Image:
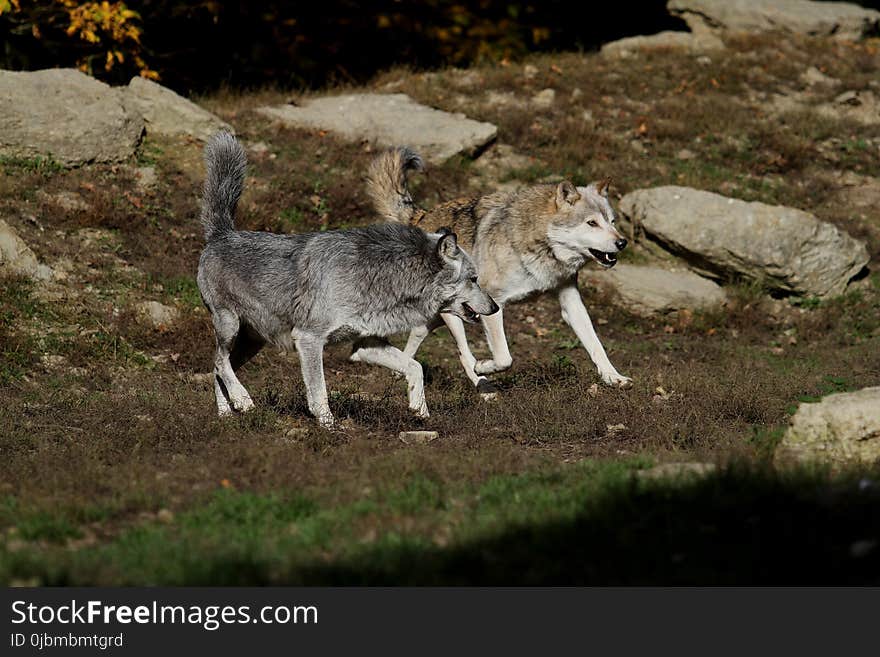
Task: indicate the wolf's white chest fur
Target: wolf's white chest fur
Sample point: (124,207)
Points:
(525,279)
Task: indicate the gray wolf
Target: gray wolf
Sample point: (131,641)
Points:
(307,290)
(525,242)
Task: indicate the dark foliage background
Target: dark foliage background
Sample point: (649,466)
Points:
(195,46)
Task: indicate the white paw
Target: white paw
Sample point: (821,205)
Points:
(421,412)
(224,411)
(242,403)
(489,396)
(490,367)
(616,380)
(327,421)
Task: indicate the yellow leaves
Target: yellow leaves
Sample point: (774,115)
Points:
(107,23)
(8,5)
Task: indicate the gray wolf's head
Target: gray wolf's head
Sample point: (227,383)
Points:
(461,293)
(583,224)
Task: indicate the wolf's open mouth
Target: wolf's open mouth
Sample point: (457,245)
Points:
(604,258)
(470,314)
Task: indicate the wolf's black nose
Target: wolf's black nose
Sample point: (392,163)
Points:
(620,244)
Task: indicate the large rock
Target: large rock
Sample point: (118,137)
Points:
(168,113)
(668,40)
(647,290)
(17,258)
(839,19)
(841,428)
(783,248)
(389,120)
(67,115)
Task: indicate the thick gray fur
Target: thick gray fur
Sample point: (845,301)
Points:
(306,290)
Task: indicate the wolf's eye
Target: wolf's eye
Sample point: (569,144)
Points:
(592,223)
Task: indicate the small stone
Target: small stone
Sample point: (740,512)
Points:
(18,258)
(156,314)
(530,71)
(417,437)
(165,515)
(685,154)
(69,201)
(544,98)
(147,178)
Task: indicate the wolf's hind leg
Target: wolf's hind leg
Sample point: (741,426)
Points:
(228,389)
(376,351)
(311,361)
(501,358)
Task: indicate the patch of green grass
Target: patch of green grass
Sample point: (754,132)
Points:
(18,347)
(45,166)
(807,303)
(149,154)
(184,289)
(293,217)
(591,522)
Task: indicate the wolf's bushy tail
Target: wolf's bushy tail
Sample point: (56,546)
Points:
(226,163)
(387,184)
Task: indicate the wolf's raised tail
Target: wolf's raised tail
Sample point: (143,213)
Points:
(226,163)
(387,184)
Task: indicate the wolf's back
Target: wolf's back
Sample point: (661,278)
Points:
(387,184)
(226,164)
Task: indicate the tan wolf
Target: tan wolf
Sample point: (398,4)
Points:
(524,242)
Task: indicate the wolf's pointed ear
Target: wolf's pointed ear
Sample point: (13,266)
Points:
(566,194)
(603,185)
(447,245)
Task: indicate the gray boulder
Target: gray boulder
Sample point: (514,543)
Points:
(839,19)
(168,113)
(17,258)
(783,248)
(841,428)
(646,290)
(389,120)
(66,115)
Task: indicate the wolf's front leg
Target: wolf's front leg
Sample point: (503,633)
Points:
(501,358)
(576,316)
(311,360)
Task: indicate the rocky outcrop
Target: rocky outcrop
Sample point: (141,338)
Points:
(65,115)
(389,120)
(168,113)
(838,19)
(647,290)
(783,248)
(842,428)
